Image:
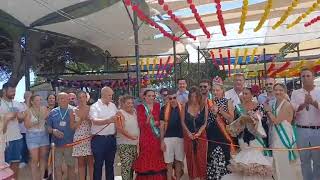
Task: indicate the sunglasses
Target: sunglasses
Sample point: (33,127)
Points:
(306,76)
(170,98)
(203,86)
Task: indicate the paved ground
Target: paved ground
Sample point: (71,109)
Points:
(25,173)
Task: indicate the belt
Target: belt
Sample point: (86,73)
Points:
(110,135)
(308,127)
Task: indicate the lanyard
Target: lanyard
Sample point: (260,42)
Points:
(65,113)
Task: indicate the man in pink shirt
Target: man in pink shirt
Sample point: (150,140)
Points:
(305,102)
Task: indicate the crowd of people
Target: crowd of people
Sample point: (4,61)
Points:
(219,134)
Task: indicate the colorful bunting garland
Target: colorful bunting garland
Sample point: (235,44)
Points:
(173,17)
(314,20)
(285,14)
(265,15)
(304,15)
(243,16)
(220,17)
(144,18)
(198,18)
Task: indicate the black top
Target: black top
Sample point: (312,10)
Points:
(194,123)
(213,130)
(174,128)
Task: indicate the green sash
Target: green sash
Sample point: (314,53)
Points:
(241,111)
(289,144)
(155,129)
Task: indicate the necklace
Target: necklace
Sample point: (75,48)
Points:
(36,114)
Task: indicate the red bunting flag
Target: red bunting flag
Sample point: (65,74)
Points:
(221,59)
(282,68)
(229,61)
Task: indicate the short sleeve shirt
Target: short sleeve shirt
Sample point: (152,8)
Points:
(60,119)
(13,130)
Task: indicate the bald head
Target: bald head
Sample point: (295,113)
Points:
(63,99)
(106,94)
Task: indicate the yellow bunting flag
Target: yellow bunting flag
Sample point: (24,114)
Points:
(253,55)
(285,14)
(265,15)
(148,65)
(244,13)
(142,64)
(154,67)
(236,58)
(312,8)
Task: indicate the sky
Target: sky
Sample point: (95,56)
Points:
(20,87)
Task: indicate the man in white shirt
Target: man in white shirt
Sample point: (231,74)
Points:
(234,93)
(268,96)
(12,112)
(183,93)
(305,102)
(103,143)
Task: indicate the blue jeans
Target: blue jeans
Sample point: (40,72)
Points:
(306,138)
(104,150)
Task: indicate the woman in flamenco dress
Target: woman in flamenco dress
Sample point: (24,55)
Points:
(150,163)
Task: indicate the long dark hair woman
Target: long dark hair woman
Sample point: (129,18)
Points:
(195,140)
(150,163)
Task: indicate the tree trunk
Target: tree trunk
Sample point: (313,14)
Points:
(17,64)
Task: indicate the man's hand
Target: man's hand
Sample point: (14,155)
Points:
(163,146)
(57,133)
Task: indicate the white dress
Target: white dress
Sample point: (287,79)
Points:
(283,168)
(82,132)
(249,163)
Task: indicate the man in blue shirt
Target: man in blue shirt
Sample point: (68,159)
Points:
(183,93)
(268,96)
(62,134)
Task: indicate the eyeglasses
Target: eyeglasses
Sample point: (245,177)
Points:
(203,86)
(170,98)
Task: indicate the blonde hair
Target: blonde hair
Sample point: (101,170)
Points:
(123,99)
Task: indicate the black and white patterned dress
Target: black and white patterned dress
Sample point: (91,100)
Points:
(218,154)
